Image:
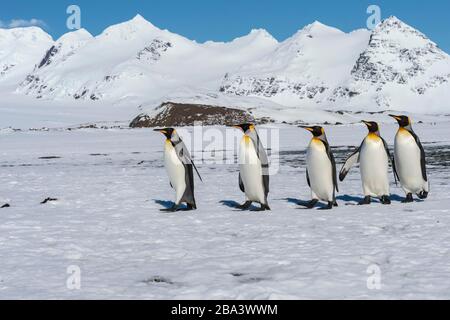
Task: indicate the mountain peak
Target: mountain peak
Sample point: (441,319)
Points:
(261,33)
(139,19)
(396,31)
(317,24)
(392,22)
(138,23)
(77,35)
(318,28)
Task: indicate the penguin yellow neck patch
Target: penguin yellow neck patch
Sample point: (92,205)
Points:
(317,143)
(373,136)
(403,131)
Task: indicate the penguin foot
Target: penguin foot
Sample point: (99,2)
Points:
(263,207)
(260,209)
(335,204)
(191,207)
(330,205)
(245,206)
(423,195)
(312,203)
(367,200)
(409,198)
(385,200)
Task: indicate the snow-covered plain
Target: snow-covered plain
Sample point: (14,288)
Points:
(111,185)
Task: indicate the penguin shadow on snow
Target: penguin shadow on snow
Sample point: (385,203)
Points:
(168,205)
(397,198)
(235,205)
(349,200)
(304,204)
(353,200)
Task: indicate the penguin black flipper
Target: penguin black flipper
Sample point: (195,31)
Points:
(260,151)
(423,162)
(349,163)
(189,166)
(333,164)
(266,183)
(188,196)
(307,178)
(196,170)
(262,156)
(241,184)
(391,159)
(184,155)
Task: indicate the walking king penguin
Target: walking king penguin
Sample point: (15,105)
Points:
(254,168)
(179,166)
(373,156)
(410,162)
(321,169)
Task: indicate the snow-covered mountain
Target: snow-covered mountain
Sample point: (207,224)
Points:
(400,69)
(136,60)
(135,63)
(304,68)
(392,67)
(20,48)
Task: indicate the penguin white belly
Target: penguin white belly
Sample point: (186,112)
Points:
(251,171)
(408,162)
(320,171)
(175,170)
(374,168)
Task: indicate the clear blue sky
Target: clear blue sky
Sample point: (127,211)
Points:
(223,20)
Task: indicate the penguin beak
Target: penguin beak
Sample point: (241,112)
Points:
(395,117)
(237,127)
(160,130)
(308,128)
(367,123)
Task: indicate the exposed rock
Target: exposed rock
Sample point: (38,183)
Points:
(49,200)
(269,87)
(154,51)
(171,114)
(48,56)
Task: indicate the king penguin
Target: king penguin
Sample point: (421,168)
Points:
(321,169)
(373,156)
(410,160)
(254,168)
(179,166)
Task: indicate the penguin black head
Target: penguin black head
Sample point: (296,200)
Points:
(245,127)
(316,131)
(403,121)
(166,131)
(372,126)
